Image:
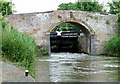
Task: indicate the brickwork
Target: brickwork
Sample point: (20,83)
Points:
(39,25)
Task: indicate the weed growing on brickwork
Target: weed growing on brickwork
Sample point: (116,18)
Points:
(96,17)
(59,16)
(72,16)
(86,19)
(80,19)
(89,16)
(107,22)
(23,18)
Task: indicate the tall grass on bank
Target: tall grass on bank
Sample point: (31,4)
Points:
(0,37)
(18,47)
(112,47)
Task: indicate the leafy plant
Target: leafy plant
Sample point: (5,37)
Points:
(6,7)
(86,19)
(59,16)
(80,19)
(41,51)
(114,7)
(71,15)
(96,17)
(112,47)
(89,16)
(107,22)
(92,5)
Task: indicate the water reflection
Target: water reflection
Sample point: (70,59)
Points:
(73,67)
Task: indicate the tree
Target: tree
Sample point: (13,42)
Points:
(5,7)
(92,6)
(114,7)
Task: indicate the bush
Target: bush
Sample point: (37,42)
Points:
(41,51)
(18,47)
(112,47)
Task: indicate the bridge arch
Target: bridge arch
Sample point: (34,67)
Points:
(85,26)
(85,42)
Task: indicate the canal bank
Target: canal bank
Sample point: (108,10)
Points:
(12,73)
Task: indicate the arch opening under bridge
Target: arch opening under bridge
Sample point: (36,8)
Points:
(71,41)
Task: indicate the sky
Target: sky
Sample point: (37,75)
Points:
(29,6)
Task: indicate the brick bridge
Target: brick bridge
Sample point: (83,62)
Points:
(97,28)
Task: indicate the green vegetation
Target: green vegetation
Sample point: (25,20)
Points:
(92,6)
(41,51)
(6,6)
(89,16)
(107,22)
(66,27)
(86,19)
(17,47)
(23,18)
(112,47)
(0,36)
(19,20)
(114,7)
(96,17)
(71,15)
(80,19)
(59,16)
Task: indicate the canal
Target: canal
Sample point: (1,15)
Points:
(75,67)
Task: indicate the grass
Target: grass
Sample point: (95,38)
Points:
(112,47)
(18,48)
(41,51)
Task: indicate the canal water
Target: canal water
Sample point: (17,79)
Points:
(75,67)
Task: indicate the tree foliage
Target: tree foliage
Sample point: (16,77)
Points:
(112,47)
(5,7)
(114,7)
(83,6)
